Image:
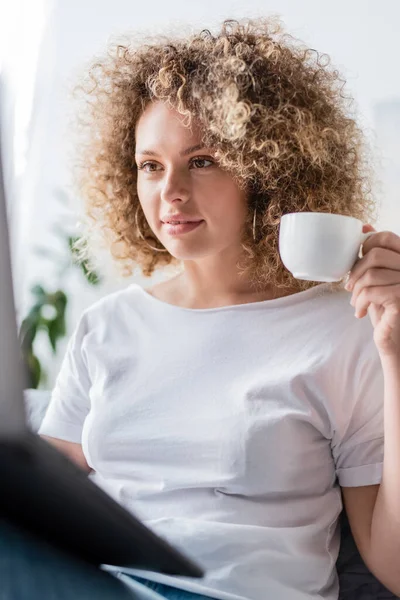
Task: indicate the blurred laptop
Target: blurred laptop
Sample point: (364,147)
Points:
(45,493)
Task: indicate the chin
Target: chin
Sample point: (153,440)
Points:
(179,252)
(188,255)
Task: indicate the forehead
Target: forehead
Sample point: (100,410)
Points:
(161,125)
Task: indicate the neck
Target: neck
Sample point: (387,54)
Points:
(213,282)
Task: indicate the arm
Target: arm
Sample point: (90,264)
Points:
(374,511)
(71,450)
(69,405)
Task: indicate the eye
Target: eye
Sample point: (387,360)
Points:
(200,162)
(142,166)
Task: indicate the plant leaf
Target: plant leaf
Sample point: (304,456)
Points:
(34,369)
(38,291)
(56,330)
(29,327)
(91,276)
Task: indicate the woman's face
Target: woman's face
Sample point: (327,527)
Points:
(178,180)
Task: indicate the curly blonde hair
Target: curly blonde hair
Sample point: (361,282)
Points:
(274,111)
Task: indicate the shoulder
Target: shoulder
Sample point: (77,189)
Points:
(111,311)
(333,313)
(108,320)
(353,374)
(345,345)
(117,301)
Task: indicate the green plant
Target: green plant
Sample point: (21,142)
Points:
(48,310)
(37,320)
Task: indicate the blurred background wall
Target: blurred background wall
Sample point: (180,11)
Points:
(44,42)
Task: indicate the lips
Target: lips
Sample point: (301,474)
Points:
(180,218)
(175,228)
(180,222)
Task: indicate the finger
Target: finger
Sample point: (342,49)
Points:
(372,278)
(375,258)
(382,239)
(379,295)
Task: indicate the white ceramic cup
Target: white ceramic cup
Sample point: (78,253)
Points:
(320,246)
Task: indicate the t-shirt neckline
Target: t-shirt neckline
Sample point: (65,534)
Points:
(272,303)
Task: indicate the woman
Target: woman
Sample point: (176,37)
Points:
(231,407)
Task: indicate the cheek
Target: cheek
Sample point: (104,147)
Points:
(232,207)
(227,217)
(142,191)
(147,199)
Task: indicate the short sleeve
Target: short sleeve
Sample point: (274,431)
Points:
(357,441)
(69,404)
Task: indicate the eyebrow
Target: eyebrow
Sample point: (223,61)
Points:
(183,153)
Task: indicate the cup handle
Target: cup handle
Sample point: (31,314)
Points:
(364,237)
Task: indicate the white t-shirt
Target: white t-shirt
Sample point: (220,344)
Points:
(229,430)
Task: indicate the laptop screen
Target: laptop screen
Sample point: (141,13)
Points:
(12,414)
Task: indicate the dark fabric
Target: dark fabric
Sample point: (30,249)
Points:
(356,582)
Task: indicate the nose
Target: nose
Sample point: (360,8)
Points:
(175,187)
